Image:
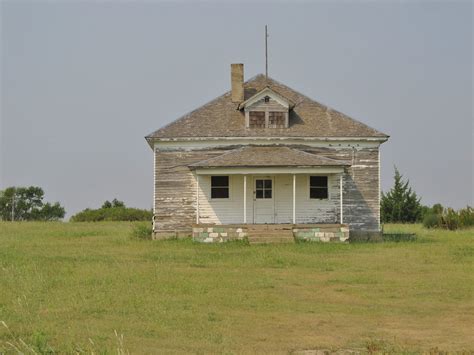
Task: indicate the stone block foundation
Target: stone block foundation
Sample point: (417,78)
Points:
(321,233)
(212,233)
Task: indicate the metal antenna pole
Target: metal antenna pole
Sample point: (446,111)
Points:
(266,52)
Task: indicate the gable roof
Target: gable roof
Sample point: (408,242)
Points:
(222,118)
(267,91)
(267,156)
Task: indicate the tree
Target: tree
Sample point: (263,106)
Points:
(437,209)
(400,204)
(106,204)
(117,203)
(51,212)
(26,204)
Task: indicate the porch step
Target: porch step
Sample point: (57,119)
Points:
(262,236)
(270,227)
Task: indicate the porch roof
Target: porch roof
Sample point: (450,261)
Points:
(268,157)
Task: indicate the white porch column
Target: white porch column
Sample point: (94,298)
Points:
(154,189)
(245,198)
(294,198)
(340,196)
(197,199)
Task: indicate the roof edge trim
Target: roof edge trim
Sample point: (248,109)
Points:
(271,138)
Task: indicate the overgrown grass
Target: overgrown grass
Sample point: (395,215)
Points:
(89,287)
(142,231)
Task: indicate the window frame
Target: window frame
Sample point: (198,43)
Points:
(276,113)
(286,118)
(264,189)
(228,188)
(264,119)
(327,187)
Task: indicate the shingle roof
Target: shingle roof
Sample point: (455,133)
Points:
(308,118)
(267,156)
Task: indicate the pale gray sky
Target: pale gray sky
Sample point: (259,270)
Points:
(82,83)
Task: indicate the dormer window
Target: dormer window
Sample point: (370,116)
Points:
(257,119)
(277,119)
(266,109)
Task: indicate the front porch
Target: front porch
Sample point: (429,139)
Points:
(269,194)
(269,185)
(270,233)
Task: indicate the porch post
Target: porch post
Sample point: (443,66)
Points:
(245,198)
(340,195)
(294,198)
(197,199)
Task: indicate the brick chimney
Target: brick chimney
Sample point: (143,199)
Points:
(237,80)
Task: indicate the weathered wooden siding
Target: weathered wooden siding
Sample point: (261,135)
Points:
(175,192)
(361,207)
(224,211)
(307,210)
(175,188)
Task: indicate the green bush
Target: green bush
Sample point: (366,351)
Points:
(466,217)
(431,220)
(112,214)
(142,231)
(448,218)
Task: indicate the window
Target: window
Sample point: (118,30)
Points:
(219,187)
(276,119)
(263,188)
(257,119)
(318,187)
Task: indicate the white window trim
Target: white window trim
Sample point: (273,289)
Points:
(217,199)
(272,178)
(267,118)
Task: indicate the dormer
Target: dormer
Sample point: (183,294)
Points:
(266,109)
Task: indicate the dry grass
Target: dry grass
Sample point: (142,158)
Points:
(91,288)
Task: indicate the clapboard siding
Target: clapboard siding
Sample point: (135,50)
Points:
(361,208)
(224,211)
(175,192)
(175,188)
(307,210)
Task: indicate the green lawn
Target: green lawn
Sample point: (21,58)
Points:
(75,287)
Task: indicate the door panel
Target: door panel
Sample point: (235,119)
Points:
(264,204)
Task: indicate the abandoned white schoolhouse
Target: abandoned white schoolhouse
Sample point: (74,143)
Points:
(267,163)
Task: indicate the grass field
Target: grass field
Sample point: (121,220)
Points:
(79,287)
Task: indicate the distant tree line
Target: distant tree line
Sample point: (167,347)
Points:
(402,205)
(114,210)
(26,204)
